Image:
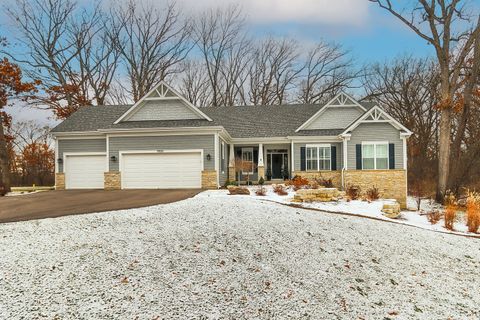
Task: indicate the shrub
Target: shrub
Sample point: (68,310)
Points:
(230,183)
(449,216)
(261,181)
(473,212)
(261,191)
(313,184)
(280,190)
(434,216)
(373,194)
(353,192)
(327,183)
(298,182)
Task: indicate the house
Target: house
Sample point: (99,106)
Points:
(163,141)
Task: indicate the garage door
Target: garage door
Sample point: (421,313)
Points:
(161,170)
(84,172)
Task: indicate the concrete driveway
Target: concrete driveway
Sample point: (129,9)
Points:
(60,203)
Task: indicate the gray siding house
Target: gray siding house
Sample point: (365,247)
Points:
(163,141)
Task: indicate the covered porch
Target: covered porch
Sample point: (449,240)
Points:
(250,162)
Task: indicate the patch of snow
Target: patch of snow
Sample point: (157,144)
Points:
(373,210)
(216,256)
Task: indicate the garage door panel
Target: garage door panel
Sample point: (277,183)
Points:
(161,171)
(84,172)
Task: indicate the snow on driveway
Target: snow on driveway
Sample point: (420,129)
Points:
(227,257)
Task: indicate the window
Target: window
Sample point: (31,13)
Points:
(374,155)
(222,151)
(318,157)
(247,160)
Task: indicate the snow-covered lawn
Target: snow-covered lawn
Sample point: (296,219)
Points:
(372,209)
(216,256)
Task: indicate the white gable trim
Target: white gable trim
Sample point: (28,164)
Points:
(162,85)
(342,98)
(379,116)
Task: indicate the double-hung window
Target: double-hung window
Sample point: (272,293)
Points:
(318,157)
(374,155)
(247,160)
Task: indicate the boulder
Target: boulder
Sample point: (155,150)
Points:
(391,209)
(238,190)
(321,194)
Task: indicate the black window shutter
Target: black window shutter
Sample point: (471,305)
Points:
(303,159)
(391,155)
(334,157)
(359,156)
(255,156)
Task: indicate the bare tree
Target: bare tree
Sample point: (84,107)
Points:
(436,21)
(152,44)
(221,39)
(328,70)
(44,26)
(69,51)
(98,55)
(194,84)
(408,89)
(273,71)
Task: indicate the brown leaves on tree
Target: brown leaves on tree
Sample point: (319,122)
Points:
(11,84)
(65,100)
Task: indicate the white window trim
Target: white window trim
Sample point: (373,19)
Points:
(375,143)
(318,146)
(249,149)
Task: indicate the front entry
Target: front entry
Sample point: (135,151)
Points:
(277,164)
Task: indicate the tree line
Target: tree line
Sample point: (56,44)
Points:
(80,56)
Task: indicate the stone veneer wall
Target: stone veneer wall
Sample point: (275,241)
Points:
(390,183)
(231,174)
(261,172)
(59,181)
(335,175)
(112,180)
(209,179)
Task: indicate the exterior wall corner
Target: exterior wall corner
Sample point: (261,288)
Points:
(59,181)
(209,179)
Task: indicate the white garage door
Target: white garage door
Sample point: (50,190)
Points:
(84,172)
(161,170)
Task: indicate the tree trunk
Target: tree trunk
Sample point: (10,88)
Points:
(4,164)
(444,153)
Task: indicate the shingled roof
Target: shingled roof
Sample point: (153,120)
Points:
(239,121)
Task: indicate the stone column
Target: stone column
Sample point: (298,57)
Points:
(261,166)
(112,180)
(231,163)
(59,181)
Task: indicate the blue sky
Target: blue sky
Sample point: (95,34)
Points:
(369,33)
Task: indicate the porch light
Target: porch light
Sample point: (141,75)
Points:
(209,157)
(113,158)
(60,160)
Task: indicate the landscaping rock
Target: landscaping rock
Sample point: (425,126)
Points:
(235,190)
(321,194)
(391,209)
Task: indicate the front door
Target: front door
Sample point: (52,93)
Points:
(277,163)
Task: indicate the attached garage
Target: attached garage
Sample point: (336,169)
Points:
(161,170)
(84,171)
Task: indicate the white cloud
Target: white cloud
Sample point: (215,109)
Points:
(326,12)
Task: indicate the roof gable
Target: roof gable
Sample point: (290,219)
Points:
(162,103)
(376,115)
(338,113)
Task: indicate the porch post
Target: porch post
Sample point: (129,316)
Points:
(231,163)
(261,166)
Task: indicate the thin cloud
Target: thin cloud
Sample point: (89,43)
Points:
(325,12)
